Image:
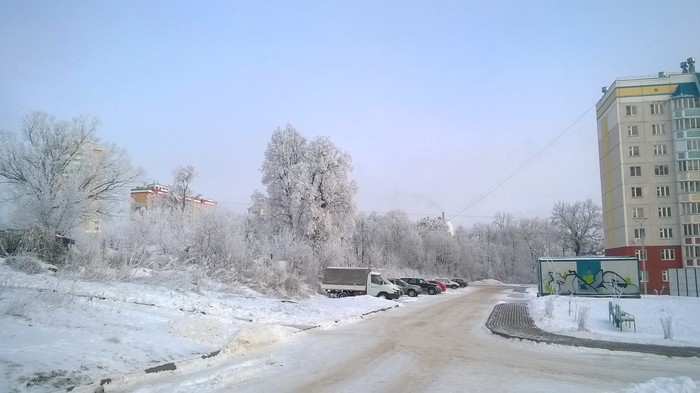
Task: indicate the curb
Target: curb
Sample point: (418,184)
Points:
(98,387)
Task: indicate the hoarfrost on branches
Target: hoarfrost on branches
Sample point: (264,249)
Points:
(580,226)
(308,190)
(59,175)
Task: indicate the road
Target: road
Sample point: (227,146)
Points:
(439,344)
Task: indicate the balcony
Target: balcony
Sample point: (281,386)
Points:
(692,112)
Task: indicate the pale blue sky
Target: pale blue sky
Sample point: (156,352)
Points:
(436,101)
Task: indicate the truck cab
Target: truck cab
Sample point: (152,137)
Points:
(378,285)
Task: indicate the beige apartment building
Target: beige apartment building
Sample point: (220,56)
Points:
(143,195)
(649,152)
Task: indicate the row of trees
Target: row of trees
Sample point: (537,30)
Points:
(58,174)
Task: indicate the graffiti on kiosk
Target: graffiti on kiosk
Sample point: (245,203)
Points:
(600,283)
(589,276)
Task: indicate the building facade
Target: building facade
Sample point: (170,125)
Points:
(649,152)
(143,195)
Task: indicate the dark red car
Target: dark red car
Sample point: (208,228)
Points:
(438,283)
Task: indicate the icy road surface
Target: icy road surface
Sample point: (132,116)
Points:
(436,345)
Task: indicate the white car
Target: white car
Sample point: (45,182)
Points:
(448,283)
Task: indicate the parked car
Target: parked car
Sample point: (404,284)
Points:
(462,282)
(431,289)
(438,283)
(408,289)
(448,283)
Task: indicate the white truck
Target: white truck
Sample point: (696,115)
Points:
(353,281)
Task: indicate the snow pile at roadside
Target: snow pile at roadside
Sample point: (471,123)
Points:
(666,385)
(487,281)
(249,339)
(60,332)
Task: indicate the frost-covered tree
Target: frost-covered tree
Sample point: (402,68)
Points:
(509,240)
(183,176)
(400,238)
(59,174)
(438,245)
(466,254)
(284,177)
(330,198)
(308,189)
(538,236)
(488,263)
(580,226)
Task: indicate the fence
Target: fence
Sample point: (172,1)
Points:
(684,282)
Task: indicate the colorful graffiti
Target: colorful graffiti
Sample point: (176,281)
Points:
(599,283)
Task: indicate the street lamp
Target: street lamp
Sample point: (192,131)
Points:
(643,255)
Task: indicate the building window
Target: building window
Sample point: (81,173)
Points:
(664,212)
(635,171)
(632,131)
(663,191)
(692,251)
(638,212)
(664,275)
(641,254)
(631,110)
(665,233)
(668,254)
(687,123)
(686,103)
(657,109)
(691,229)
(636,192)
(690,208)
(658,129)
(661,170)
(689,166)
(638,233)
(634,151)
(688,187)
(692,144)
(659,150)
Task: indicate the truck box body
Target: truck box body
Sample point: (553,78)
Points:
(345,278)
(589,276)
(351,281)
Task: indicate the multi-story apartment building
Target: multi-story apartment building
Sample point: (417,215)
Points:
(142,196)
(649,152)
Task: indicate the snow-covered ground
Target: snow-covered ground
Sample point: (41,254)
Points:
(58,333)
(682,312)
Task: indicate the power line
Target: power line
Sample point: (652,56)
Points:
(522,166)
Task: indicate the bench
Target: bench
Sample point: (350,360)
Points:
(619,317)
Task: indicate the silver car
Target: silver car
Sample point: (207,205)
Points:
(406,288)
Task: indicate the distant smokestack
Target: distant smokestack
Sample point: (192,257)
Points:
(691,64)
(443,216)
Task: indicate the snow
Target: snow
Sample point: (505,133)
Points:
(60,332)
(648,312)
